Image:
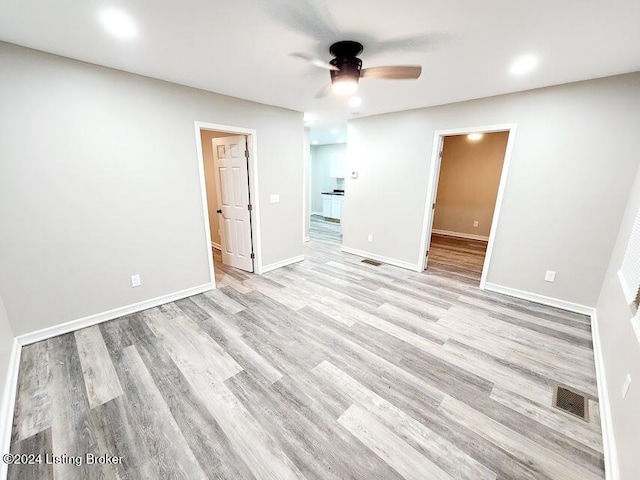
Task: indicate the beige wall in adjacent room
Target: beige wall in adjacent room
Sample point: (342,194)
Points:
(210,180)
(99,180)
(468,185)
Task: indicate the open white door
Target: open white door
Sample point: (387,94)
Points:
(232,182)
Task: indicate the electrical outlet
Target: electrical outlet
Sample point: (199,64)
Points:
(274,198)
(476,223)
(626,385)
(136,281)
(370,238)
(550,276)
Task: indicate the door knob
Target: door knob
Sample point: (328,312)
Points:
(219,211)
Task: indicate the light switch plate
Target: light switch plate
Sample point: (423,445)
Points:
(275,198)
(550,276)
(136,281)
(476,223)
(370,238)
(354,174)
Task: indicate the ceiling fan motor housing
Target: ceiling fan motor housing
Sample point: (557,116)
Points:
(346,60)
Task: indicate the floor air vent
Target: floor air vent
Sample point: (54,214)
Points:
(571,402)
(371,262)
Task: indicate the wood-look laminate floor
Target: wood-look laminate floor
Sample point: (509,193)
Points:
(326,369)
(458,256)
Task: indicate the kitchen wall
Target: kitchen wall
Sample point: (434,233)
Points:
(210,180)
(320,180)
(573,163)
(621,348)
(99,180)
(469,178)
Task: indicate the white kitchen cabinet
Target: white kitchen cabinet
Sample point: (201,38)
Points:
(326,206)
(336,206)
(332,206)
(337,165)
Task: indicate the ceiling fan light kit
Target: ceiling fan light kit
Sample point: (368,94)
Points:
(346,69)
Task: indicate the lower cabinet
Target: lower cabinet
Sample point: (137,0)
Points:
(332,206)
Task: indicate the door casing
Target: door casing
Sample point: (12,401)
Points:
(252,139)
(434,173)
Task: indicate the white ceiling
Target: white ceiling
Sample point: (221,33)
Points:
(242,47)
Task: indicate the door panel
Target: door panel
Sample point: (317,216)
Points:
(233,197)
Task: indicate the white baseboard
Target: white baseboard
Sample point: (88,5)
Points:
(8,403)
(282,263)
(544,300)
(217,246)
(611,468)
(49,332)
(469,236)
(380,258)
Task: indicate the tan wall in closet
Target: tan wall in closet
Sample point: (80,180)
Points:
(468,186)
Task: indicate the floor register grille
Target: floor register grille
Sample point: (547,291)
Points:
(570,402)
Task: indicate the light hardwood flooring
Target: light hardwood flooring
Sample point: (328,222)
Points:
(457,256)
(326,369)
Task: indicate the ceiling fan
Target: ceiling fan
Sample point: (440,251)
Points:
(346,69)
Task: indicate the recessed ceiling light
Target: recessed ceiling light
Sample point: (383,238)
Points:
(474,136)
(334,131)
(355,102)
(309,117)
(118,23)
(524,64)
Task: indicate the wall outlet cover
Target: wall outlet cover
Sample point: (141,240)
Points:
(550,276)
(476,223)
(275,198)
(370,238)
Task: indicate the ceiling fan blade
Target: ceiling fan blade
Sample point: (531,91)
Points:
(423,42)
(314,61)
(398,72)
(310,18)
(324,92)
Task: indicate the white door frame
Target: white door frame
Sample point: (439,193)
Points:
(438,143)
(253,189)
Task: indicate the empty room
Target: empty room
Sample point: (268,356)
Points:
(313,239)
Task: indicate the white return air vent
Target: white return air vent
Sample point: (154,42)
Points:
(629,273)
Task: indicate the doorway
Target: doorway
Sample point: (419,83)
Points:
(466,183)
(228,173)
(327,191)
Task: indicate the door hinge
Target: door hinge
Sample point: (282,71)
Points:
(433,207)
(253,255)
(427,253)
(250,207)
(246,154)
(441,153)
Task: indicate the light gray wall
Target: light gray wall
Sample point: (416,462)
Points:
(320,180)
(99,180)
(621,349)
(575,155)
